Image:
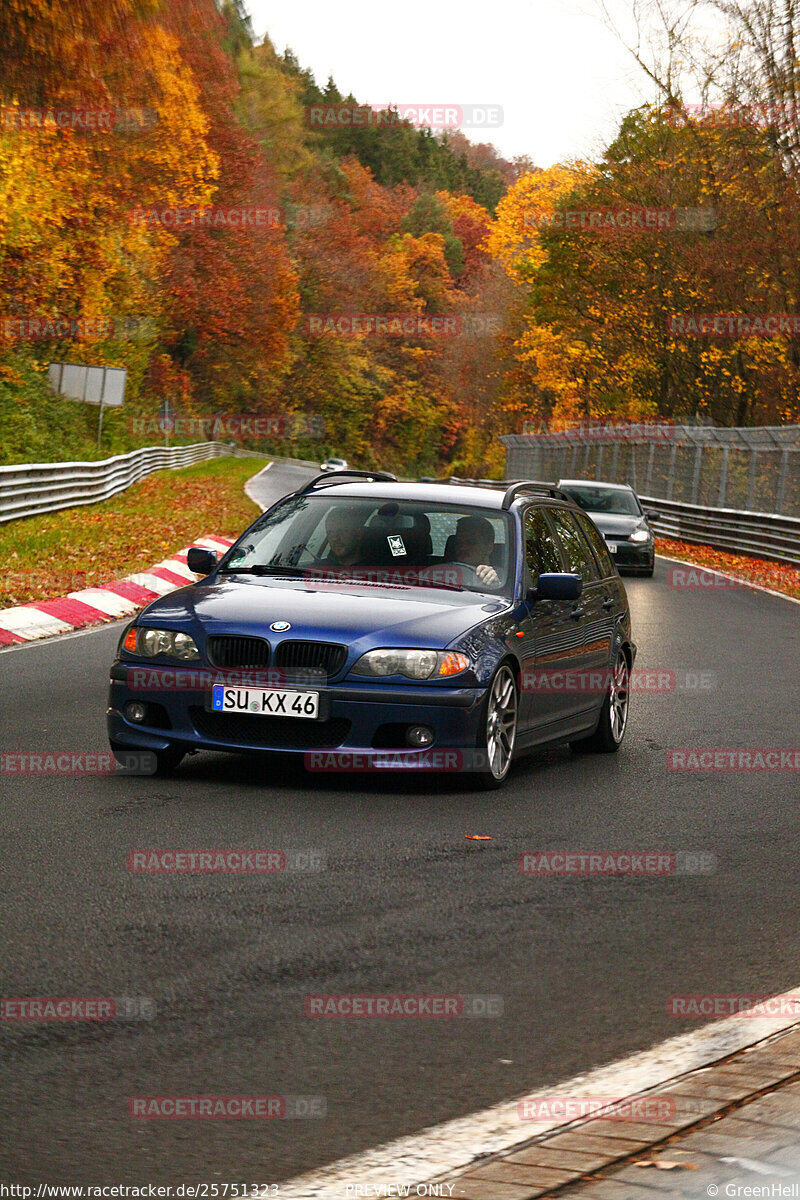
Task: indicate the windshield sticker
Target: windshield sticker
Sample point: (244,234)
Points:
(396,545)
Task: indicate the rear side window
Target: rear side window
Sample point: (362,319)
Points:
(595,539)
(541,551)
(579,557)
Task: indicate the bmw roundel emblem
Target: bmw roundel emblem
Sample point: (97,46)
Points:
(280,626)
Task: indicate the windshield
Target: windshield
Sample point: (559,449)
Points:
(605,500)
(395,542)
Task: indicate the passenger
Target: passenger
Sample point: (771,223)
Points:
(474,543)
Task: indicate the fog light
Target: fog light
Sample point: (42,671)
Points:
(136,711)
(419,735)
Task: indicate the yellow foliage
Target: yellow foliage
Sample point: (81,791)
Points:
(513,237)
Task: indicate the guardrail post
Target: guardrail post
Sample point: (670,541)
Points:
(632,467)
(698,465)
(784,471)
(614,463)
(751,482)
(723,477)
(598,470)
(672,463)
(650,460)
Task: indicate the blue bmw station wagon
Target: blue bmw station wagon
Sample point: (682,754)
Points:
(387,623)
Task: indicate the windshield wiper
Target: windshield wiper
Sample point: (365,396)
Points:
(263,569)
(437,583)
(340,576)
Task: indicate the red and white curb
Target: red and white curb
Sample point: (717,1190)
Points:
(119,598)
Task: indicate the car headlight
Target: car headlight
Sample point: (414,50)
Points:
(414,664)
(151,642)
(640,535)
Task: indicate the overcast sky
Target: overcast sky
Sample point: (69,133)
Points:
(560,76)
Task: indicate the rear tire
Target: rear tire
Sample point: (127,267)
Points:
(607,737)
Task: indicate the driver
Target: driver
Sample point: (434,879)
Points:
(344,531)
(474,545)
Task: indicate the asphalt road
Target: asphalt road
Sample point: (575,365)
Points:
(405,904)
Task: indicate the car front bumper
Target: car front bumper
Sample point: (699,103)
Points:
(633,555)
(352,719)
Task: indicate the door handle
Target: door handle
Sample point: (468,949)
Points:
(609,603)
(576,613)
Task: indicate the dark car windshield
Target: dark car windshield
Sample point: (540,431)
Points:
(621,503)
(396,542)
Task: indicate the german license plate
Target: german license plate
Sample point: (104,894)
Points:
(612,547)
(264,703)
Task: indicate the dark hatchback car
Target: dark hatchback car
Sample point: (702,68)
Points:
(365,621)
(618,514)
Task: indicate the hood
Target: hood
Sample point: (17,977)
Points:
(614,523)
(361,616)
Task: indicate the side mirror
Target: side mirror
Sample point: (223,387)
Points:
(557,586)
(651,514)
(201,561)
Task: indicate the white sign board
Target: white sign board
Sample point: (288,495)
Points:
(94,385)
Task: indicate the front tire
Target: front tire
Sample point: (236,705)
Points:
(166,760)
(607,737)
(499,730)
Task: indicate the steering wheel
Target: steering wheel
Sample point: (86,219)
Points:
(472,575)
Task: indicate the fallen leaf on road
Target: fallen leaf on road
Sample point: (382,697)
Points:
(477,837)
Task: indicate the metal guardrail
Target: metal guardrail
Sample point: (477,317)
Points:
(763,535)
(28,489)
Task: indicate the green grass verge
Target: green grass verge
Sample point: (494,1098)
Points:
(82,547)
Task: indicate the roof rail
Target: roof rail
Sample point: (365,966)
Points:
(532,485)
(335,477)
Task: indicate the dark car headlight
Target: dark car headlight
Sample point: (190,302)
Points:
(414,664)
(149,643)
(642,534)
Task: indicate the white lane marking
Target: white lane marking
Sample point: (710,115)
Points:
(737,578)
(452,1146)
(31,623)
(252,479)
(108,602)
